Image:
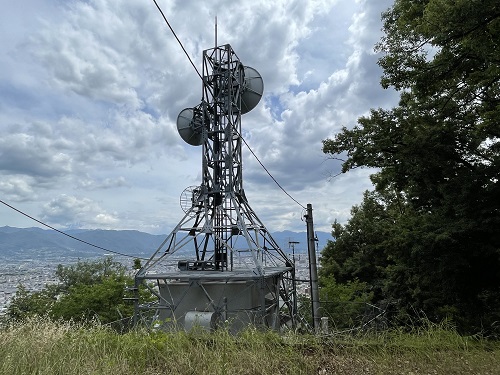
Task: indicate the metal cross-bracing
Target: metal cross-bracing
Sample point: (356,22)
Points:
(219,263)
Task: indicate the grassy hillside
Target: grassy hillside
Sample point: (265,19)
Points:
(43,347)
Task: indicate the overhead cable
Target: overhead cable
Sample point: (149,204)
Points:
(270,175)
(69,235)
(194,66)
(178,40)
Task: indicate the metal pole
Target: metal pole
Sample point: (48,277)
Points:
(313,270)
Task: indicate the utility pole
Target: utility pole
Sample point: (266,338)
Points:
(313,270)
(292,245)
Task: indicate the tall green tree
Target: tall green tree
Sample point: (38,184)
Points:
(438,154)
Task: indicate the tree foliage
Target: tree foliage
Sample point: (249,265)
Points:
(89,273)
(86,290)
(346,304)
(428,237)
(25,303)
(103,300)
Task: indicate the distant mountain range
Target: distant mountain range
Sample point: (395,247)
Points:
(15,242)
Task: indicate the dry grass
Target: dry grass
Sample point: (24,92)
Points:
(40,346)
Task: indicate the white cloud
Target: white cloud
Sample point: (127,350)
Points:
(17,188)
(71,211)
(90,92)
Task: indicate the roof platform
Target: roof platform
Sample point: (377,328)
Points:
(235,275)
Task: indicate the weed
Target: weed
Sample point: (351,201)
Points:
(42,346)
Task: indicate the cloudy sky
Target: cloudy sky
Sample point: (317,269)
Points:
(90,91)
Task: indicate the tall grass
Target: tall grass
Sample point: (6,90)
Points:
(40,346)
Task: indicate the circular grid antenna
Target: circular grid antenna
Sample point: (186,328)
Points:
(253,88)
(189,197)
(190,126)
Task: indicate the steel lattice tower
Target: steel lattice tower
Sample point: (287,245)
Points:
(219,263)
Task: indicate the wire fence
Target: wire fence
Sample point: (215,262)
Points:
(338,315)
(348,316)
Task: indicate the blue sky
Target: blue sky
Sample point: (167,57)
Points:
(90,92)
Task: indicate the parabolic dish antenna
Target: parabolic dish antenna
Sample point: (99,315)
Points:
(189,197)
(190,126)
(253,88)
